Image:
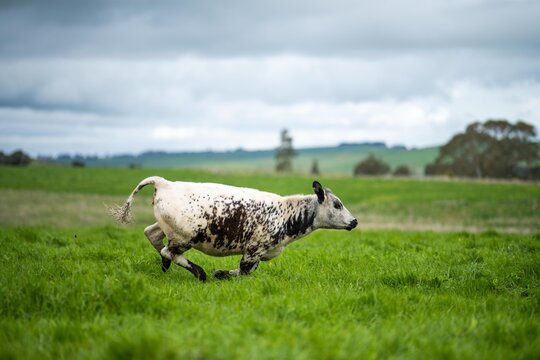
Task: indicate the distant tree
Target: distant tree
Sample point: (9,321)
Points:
(532,173)
(78,163)
(285,153)
(315,167)
(371,166)
(430,170)
(64,157)
(402,170)
(495,148)
(16,158)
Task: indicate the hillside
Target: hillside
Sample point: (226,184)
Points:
(339,159)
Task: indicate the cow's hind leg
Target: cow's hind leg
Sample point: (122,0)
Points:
(174,252)
(248,264)
(155,235)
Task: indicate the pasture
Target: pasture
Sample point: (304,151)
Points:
(75,285)
(337,160)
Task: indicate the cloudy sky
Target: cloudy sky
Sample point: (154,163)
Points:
(106,77)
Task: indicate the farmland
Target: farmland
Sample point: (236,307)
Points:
(333,160)
(443,269)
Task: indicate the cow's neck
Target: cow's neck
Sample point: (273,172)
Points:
(300,211)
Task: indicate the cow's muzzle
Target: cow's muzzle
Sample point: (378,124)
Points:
(352,225)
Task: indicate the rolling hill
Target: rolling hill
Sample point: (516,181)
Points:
(340,159)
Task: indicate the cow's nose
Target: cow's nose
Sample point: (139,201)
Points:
(352,224)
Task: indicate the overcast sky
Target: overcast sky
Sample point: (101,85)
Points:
(106,77)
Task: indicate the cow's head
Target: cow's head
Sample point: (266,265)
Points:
(331,214)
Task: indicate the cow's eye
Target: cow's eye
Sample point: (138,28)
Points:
(338,205)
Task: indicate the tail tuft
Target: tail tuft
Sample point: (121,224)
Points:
(121,213)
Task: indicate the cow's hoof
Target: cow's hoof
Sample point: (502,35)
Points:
(201,276)
(222,274)
(165,264)
(197,271)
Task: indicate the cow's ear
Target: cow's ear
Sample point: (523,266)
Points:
(318,189)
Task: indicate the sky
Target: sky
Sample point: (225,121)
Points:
(110,77)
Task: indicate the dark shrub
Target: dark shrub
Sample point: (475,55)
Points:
(402,170)
(371,166)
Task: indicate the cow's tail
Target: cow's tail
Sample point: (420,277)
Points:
(122,213)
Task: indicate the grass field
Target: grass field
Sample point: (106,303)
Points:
(75,285)
(37,194)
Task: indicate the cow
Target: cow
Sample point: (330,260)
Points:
(223,220)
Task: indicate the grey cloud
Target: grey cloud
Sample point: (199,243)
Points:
(114,70)
(182,88)
(238,28)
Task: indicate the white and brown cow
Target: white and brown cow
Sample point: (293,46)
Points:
(222,220)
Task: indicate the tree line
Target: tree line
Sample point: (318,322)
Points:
(495,149)
(372,165)
(16,158)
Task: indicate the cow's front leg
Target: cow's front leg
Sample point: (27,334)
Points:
(248,264)
(174,252)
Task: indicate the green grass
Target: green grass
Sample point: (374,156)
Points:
(386,203)
(74,285)
(99,292)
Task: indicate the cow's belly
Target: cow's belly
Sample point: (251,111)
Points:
(272,253)
(209,248)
